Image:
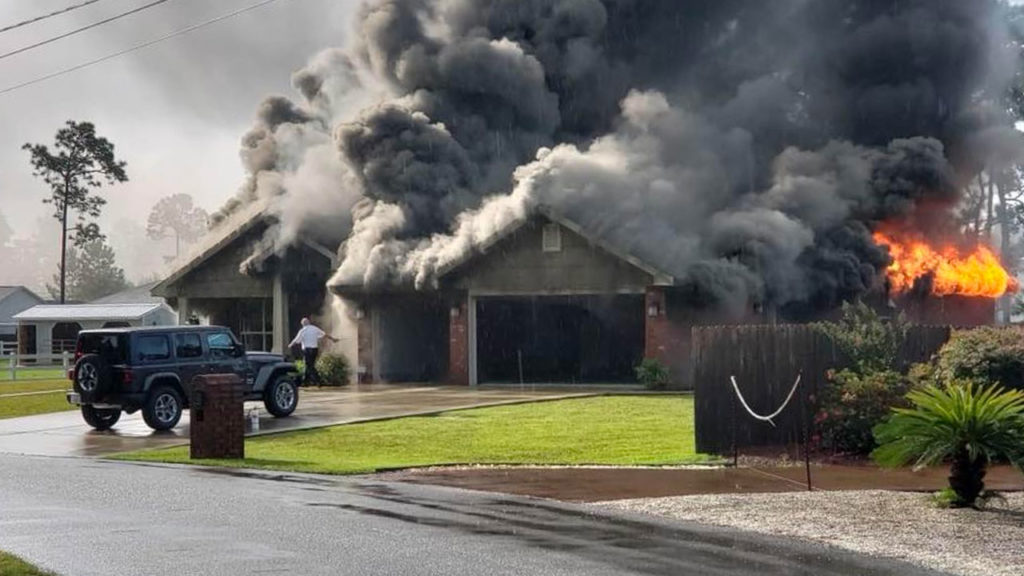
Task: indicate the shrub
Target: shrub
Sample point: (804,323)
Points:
(871,342)
(991,355)
(333,370)
(653,374)
(923,374)
(852,404)
(968,424)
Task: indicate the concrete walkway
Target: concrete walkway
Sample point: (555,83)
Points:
(65,434)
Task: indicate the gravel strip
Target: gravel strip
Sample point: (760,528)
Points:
(899,525)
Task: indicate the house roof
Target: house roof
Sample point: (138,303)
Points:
(661,278)
(216,240)
(137,295)
(70,312)
(6,291)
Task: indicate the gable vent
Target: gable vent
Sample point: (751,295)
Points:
(552,238)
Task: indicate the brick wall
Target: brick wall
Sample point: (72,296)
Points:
(458,345)
(665,340)
(217,422)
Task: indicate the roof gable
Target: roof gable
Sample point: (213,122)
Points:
(215,241)
(660,277)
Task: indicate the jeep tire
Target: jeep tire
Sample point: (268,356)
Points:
(92,377)
(100,418)
(163,408)
(281,397)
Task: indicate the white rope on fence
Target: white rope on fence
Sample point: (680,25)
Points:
(771,416)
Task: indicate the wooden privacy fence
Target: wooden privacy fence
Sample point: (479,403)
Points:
(766,361)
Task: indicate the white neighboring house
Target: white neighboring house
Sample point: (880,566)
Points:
(56,326)
(13,299)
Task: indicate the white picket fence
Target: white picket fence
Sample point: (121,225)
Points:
(36,366)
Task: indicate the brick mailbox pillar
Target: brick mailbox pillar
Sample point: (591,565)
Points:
(216,419)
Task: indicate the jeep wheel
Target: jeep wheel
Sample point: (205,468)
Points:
(163,408)
(100,418)
(281,397)
(92,377)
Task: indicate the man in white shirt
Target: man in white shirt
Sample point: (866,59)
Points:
(309,338)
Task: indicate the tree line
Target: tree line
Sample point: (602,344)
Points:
(75,168)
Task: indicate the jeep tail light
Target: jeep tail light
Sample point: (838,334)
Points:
(127,378)
(71,373)
(78,350)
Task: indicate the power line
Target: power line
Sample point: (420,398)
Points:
(137,46)
(83,28)
(50,15)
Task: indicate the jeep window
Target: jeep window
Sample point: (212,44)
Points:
(188,346)
(111,347)
(221,344)
(153,348)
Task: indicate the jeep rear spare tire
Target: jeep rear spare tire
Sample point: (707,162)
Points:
(281,397)
(163,408)
(100,418)
(92,377)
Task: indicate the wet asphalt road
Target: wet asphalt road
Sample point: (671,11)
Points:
(87,517)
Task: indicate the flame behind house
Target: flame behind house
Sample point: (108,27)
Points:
(948,269)
(751,149)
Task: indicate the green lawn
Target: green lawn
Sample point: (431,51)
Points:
(14,406)
(33,386)
(610,430)
(13,566)
(30,373)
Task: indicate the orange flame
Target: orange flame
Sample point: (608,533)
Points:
(953,271)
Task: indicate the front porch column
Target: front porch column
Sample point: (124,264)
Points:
(184,311)
(458,343)
(279,317)
(367,371)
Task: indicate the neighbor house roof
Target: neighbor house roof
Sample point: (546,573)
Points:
(660,277)
(216,240)
(70,312)
(6,291)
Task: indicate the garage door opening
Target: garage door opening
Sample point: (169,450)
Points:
(413,340)
(559,339)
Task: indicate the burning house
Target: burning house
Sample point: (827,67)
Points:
(551,190)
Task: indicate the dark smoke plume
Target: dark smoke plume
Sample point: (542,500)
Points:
(749,148)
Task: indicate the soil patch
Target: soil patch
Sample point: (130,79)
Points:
(595,484)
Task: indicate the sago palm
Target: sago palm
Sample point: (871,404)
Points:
(967,424)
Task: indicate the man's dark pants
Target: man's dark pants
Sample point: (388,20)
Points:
(309,355)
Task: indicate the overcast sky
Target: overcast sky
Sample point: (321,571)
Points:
(175,110)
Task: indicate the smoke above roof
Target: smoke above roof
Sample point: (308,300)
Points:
(748,148)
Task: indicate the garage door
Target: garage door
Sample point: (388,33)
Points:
(559,339)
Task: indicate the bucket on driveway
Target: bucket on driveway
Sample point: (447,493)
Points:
(216,418)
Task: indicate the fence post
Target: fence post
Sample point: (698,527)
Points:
(64,360)
(14,367)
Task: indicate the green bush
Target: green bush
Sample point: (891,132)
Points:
(333,370)
(653,374)
(989,355)
(872,343)
(852,404)
(966,424)
(923,374)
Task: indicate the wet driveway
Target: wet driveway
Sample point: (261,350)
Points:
(84,517)
(65,434)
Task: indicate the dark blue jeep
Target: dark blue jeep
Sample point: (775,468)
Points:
(151,369)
